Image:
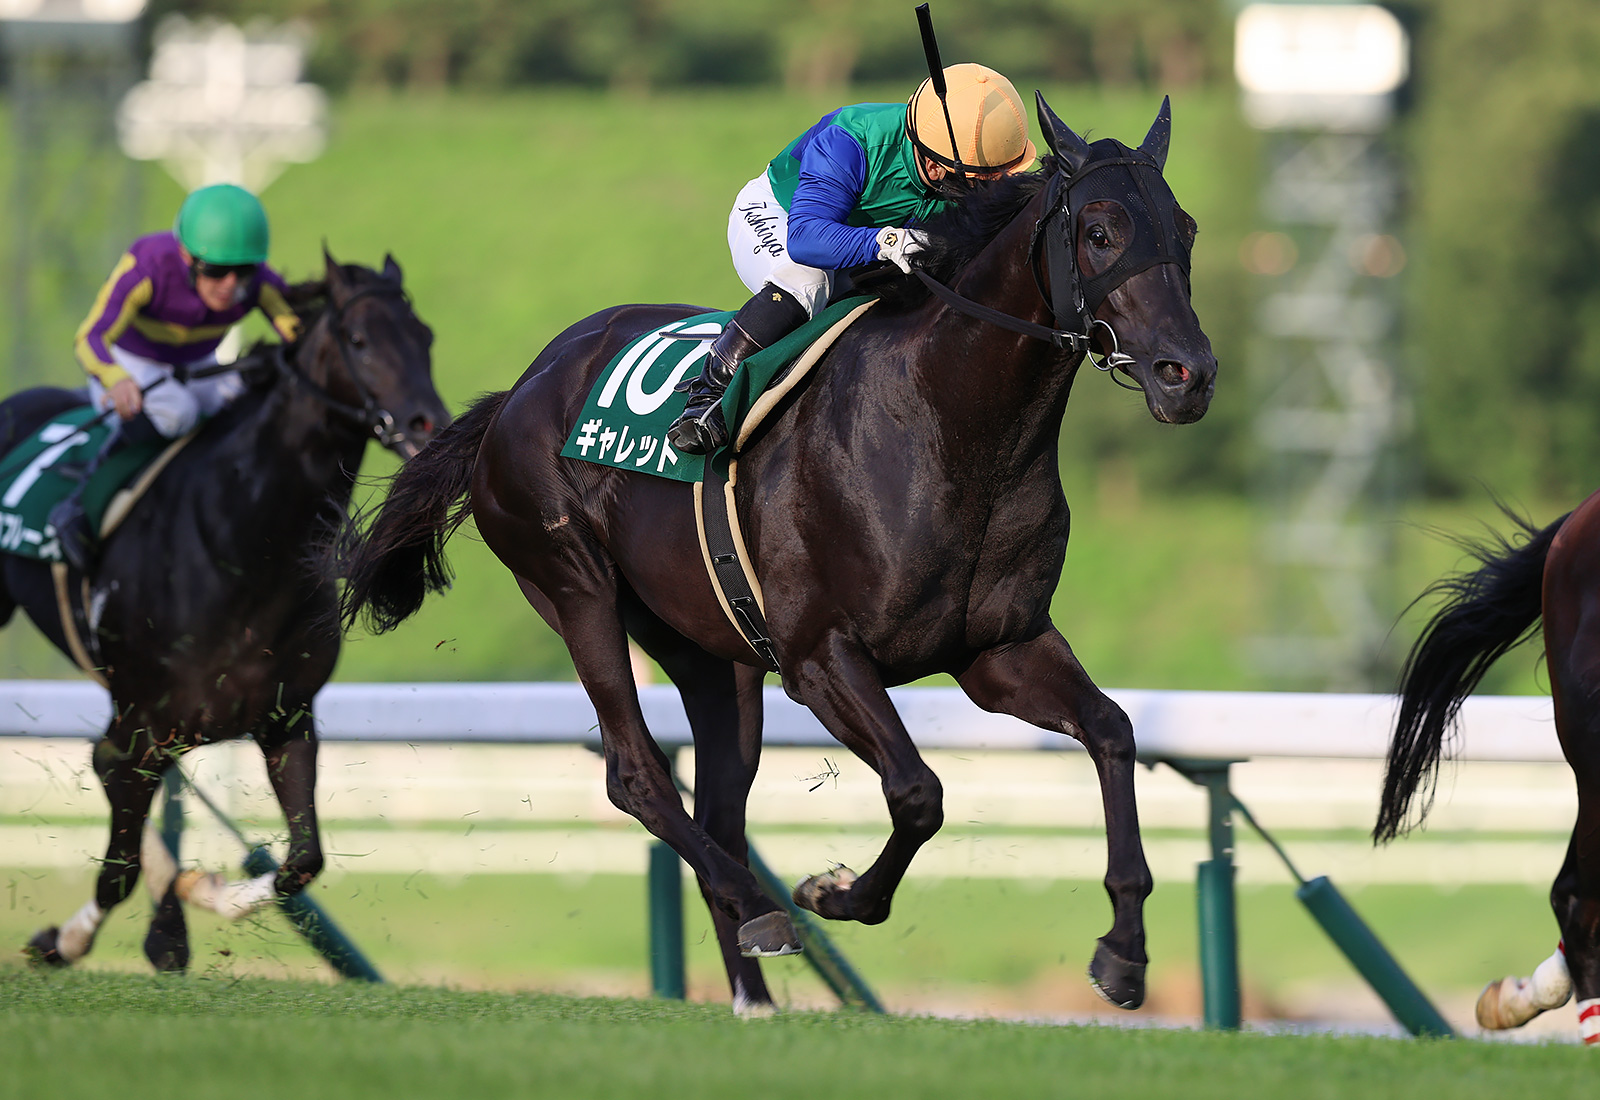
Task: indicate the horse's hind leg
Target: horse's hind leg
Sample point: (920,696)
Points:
(638,774)
(130,779)
(1042,682)
(1572,646)
(1513,1001)
(723,702)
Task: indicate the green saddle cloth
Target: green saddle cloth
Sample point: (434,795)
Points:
(626,416)
(41,470)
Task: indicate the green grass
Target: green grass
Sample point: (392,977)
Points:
(87,1035)
(993,946)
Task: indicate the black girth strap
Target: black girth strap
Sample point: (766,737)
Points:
(727,570)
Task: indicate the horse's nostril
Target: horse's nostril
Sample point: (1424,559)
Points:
(421,424)
(1173,375)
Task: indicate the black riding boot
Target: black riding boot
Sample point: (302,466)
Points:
(766,318)
(79,541)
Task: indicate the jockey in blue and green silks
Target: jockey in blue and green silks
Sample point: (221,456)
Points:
(166,307)
(844,193)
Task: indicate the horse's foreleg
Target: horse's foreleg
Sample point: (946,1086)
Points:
(1042,682)
(847,695)
(130,781)
(290,751)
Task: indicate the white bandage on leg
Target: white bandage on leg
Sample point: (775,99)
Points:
(228,899)
(1551,984)
(77,935)
(1589,1021)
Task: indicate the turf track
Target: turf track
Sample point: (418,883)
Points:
(98,1035)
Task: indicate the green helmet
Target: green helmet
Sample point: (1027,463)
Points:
(223,224)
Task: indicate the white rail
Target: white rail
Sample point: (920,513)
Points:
(1200,725)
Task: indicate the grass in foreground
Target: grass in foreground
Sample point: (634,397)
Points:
(972,946)
(92,1035)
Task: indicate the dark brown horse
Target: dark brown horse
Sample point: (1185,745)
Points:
(1553,573)
(904,514)
(207,617)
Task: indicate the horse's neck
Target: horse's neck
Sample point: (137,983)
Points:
(303,459)
(980,379)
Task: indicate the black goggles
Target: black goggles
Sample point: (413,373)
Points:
(245,272)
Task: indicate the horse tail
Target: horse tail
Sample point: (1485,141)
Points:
(391,567)
(1486,612)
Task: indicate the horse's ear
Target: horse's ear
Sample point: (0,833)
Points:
(391,270)
(1070,149)
(1160,136)
(333,275)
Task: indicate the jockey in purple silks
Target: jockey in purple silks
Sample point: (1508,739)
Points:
(845,193)
(166,307)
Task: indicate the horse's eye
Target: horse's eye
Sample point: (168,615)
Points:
(1098,237)
(357,340)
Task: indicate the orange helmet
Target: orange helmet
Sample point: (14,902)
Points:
(991,127)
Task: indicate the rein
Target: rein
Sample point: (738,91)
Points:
(369,414)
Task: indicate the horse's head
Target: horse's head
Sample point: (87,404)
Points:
(374,355)
(1113,214)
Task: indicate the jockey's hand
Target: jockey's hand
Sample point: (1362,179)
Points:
(898,245)
(126,398)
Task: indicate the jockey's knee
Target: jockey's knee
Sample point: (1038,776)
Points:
(172,409)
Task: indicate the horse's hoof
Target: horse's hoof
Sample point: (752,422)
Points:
(1116,979)
(166,945)
(197,887)
(825,894)
(45,948)
(768,935)
(754,1010)
(1505,1004)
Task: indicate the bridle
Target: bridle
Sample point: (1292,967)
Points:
(369,414)
(1069,305)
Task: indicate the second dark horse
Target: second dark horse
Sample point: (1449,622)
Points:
(904,514)
(206,617)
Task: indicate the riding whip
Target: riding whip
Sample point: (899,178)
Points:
(930,47)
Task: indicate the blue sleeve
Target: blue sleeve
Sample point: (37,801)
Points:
(833,174)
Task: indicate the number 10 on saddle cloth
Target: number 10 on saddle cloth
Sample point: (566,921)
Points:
(626,415)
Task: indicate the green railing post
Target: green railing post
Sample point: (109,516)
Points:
(172,811)
(1214,896)
(1368,955)
(319,930)
(666,923)
(664,887)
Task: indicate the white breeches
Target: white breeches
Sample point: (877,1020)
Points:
(758,237)
(173,407)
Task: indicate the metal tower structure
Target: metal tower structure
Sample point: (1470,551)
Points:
(74,199)
(1318,77)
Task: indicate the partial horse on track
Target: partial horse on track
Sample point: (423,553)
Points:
(903,512)
(1553,573)
(207,616)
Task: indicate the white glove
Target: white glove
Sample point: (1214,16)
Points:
(898,245)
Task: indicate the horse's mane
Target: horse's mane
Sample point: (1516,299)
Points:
(308,299)
(957,234)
